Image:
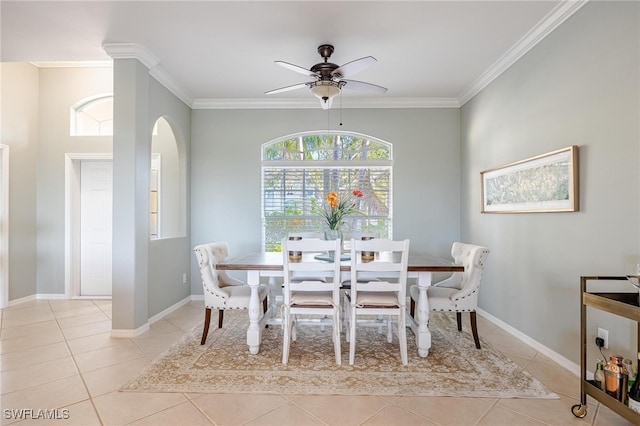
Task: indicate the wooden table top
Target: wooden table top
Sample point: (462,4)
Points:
(272,261)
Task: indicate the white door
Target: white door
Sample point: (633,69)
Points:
(96,198)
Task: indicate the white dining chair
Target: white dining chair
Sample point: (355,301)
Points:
(459,292)
(378,288)
(316,293)
(221,291)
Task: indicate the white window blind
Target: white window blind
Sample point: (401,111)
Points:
(299,172)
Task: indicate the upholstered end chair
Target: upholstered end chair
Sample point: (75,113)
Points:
(458,293)
(221,291)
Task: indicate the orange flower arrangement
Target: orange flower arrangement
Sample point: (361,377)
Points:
(339,207)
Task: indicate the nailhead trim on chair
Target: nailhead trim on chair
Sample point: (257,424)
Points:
(465,296)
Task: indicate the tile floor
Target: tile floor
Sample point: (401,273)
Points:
(57,356)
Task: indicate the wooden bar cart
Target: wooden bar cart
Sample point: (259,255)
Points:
(623,304)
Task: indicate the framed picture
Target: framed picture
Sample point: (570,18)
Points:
(545,183)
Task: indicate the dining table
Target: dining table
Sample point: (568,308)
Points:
(257,265)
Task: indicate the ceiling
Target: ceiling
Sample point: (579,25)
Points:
(220,54)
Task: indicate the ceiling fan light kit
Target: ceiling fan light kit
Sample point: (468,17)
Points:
(325,90)
(330,77)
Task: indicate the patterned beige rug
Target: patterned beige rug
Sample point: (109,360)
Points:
(454,366)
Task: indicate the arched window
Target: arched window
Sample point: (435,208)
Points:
(93,116)
(300,170)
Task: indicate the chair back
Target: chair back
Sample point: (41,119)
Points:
(473,258)
(387,273)
(309,274)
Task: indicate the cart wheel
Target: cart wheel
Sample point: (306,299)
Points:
(579,410)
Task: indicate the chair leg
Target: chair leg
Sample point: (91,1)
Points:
(265,306)
(220,317)
(347,320)
(474,329)
(286,340)
(205,330)
(402,337)
(353,319)
(336,335)
(459,319)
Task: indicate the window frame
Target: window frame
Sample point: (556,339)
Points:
(356,223)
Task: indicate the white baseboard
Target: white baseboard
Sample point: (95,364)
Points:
(39,296)
(556,357)
(129,334)
(170,309)
(22,300)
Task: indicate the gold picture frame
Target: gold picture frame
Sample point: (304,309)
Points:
(544,183)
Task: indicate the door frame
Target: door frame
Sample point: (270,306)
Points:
(72,163)
(4,225)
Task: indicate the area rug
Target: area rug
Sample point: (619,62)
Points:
(454,366)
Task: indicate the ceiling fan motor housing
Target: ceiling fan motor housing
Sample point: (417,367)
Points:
(324,69)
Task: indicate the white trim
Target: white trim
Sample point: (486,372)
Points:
(170,309)
(131,51)
(164,78)
(557,16)
(561,360)
(38,296)
(141,53)
(72,219)
(22,300)
(129,334)
(74,64)
(51,296)
(4,225)
(312,103)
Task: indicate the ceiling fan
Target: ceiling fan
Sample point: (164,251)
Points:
(330,78)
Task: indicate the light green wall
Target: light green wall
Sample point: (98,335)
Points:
(225,171)
(19,131)
(170,258)
(579,86)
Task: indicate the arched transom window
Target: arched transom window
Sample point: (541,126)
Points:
(299,171)
(93,116)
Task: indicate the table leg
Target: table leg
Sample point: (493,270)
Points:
(424,334)
(254,332)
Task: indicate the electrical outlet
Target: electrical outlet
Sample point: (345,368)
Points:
(184,278)
(604,334)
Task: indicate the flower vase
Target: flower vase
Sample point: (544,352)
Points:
(333,234)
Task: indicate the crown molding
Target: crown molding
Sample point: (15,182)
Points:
(164,78)
(74,64)
(312,103)
(131,51)
(141,53)
(549,23)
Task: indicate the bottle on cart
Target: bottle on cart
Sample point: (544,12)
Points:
(598,376)
(632,372)
(616,377)
(634,394)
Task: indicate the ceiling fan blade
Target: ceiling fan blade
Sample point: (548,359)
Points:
(363,87)
(286,89)
(353,67)
(297,69)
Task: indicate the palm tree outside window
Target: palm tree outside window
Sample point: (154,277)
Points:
(299,171)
